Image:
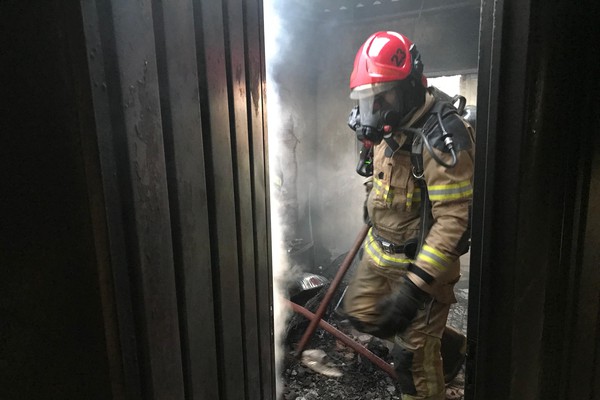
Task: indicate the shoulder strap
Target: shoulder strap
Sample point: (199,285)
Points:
(440,108)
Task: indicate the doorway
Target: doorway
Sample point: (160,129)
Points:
(316,195)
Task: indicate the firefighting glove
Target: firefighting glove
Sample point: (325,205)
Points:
(399,309)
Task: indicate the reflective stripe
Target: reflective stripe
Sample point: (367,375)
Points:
(384,191)
(413,197)
(452,191)
(384,259)
(431,359)
(409,199)
(434,257)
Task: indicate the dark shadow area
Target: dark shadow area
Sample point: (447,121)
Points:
(52,342)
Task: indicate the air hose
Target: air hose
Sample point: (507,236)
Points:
(447,141)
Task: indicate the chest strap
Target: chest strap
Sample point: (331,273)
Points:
(416,157)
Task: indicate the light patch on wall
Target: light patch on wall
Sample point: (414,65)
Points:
(447,84)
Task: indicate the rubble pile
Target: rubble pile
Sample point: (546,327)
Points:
(359,379)
(343,373)
(334,371)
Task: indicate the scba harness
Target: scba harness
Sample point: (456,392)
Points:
(445,131)
(442,128)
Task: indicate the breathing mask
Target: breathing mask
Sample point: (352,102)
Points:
(377,112)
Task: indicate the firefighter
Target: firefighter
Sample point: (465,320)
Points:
(418,209)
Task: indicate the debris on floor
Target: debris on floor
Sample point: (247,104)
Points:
(318,361)
(330,370)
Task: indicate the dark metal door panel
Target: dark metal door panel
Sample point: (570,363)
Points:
(143,184)
(184,152)
(238,99)
(224,240)
(177,91)
(533,298)
(253,13)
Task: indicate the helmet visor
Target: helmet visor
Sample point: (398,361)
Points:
(371,89)
(375,109)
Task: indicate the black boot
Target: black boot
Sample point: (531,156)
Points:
(454,349)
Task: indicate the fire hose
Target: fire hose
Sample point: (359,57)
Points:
(316,318)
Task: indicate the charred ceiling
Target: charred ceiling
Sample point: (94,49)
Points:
(327,32)
(341,11)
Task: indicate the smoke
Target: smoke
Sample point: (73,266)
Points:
(278,229)
(316,197)
(294,143)
(309,61)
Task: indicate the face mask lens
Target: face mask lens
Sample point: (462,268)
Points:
(391,99)
(369,112)
(376,105)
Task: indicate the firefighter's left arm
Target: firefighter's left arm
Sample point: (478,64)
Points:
(450,192)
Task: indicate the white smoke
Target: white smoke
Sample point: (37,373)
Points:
(275,125)
(308,105)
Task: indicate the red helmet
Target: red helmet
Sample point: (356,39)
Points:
(385,57)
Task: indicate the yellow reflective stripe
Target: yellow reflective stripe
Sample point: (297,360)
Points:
(451,191)
(416,196)
(377,183)
(450,186)
(385,191)
(434,257)
(413,197)
(453,196)
(387,260)
(433,377)
(381,192)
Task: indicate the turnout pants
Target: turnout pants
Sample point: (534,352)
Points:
(416,351)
